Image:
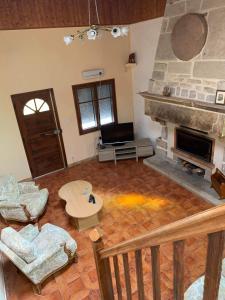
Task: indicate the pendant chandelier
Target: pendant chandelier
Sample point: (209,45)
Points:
(94,31)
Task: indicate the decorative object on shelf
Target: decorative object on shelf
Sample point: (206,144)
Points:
(94,31)
(132,58)
(167,91)
(189,36)
(220,97)
(218,183)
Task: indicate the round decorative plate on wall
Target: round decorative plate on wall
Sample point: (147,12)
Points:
(189,36)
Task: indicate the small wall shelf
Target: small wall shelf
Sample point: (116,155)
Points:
(130,65)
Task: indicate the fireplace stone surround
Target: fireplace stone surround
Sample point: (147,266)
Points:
(173,112)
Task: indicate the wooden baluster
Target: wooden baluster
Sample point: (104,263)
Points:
(178,261)
(127,276)
(155,254)
(102,266)
(139,272)
(117,276)
(213,265)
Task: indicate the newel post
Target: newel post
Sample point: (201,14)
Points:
(102,266)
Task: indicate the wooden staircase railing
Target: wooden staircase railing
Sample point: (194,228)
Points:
(210,222)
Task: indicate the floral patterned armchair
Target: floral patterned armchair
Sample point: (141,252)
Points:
(22,202)
(38,254)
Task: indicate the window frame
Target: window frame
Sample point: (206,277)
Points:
(94,85)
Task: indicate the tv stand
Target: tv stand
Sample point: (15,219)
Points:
(135,149)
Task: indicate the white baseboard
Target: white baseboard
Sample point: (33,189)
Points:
(2,280)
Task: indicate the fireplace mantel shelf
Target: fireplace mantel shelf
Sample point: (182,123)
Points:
(203,116)
(184,102)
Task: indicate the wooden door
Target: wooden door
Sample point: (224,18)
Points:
(40,130)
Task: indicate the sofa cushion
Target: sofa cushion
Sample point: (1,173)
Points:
(52,235)
(23,248)
(29,232)
(8,188)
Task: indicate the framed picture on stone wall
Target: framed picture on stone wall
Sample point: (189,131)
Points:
(220,97)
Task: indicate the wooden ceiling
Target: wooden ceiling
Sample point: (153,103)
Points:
(25,14)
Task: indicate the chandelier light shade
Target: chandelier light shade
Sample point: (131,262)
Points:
(94,31)
(68,39)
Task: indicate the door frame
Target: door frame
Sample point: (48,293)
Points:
(56,118)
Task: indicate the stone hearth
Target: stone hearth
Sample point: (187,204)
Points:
(206,117)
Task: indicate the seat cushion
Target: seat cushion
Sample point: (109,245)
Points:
(50,236)
(35,202)
(8,188)
(22,248)
(29,232)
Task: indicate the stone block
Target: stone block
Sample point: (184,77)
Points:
(209,83)
(184,93)
(207,4)
(215,46)
(209,90)
(178,91)
(183,77)
(172,22)
(151,85)
(221,85)
(211,98)
(179,67)
(164,50)
(164,25)
(161,152)
(164,132)
(173,84)
(209,69)
(198,88)
(173,91)
(193,5)
(160,67)
(185,85)
(201,96)
(194,81)
(161,143)
(176,9)
(192,94)
(158,87)
(158,75)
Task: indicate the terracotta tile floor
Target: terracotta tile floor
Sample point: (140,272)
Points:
(136,200)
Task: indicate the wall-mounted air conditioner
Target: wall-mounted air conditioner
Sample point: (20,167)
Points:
(88,74)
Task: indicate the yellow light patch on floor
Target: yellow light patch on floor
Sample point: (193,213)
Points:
(136,200)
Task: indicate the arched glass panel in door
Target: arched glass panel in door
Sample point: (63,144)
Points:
(35,106)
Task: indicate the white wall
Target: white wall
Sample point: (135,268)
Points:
(38,59)
(144,42)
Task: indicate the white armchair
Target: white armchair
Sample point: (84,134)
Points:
(38,254)
(22,202)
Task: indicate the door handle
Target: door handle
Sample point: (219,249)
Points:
(54,132)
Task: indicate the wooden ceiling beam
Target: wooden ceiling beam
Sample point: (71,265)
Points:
(27,14)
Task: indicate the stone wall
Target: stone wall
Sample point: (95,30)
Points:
(199,78)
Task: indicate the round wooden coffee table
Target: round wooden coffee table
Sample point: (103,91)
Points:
(76,194)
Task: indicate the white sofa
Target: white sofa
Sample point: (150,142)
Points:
(38,254)
(22,202)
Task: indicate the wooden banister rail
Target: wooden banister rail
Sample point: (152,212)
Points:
(208,221)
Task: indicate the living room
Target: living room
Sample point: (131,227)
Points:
(112,177)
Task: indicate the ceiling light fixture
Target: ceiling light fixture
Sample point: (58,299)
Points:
(93,31)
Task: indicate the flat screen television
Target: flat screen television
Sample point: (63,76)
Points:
(117,133)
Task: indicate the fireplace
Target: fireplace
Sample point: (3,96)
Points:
(194,143)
